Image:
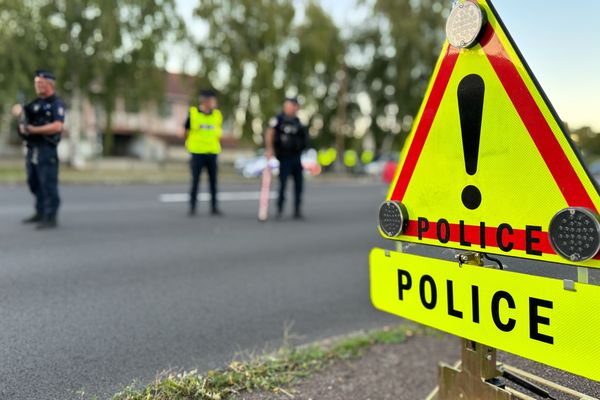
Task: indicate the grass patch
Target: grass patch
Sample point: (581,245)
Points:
(271,373)
(69,175)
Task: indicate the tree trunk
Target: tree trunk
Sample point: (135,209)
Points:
(108,140)
(341,116)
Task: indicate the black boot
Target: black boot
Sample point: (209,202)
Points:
(48,222)
(34,219)
(279,212)
(298,214)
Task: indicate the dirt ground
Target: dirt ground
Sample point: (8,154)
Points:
(406,371)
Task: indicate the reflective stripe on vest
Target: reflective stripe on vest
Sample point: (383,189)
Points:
(205,132)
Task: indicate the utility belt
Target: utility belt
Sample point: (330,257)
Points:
(42,140)
(288,155)
(42,152)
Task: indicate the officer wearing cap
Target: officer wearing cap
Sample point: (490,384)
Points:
(287,138)
(41,127)
(203,128)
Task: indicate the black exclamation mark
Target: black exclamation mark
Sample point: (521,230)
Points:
(470,104)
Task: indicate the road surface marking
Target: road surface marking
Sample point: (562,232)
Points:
(223,196)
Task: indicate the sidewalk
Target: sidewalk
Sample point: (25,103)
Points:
(131,171)
(406,371)
(124,171)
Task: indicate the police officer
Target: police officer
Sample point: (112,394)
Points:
(203,129)
(287,138)
(41,128)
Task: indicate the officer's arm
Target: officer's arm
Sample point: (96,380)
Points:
(219,123)
(47,129)
(186,127)
(306,137)
(269,142)
(270,137)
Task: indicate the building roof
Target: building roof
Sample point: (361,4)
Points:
(180,85)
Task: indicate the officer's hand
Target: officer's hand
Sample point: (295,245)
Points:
(16,110)
(268,154)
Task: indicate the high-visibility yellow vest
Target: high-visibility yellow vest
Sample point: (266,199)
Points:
(205,132)
(366,157)
(350,158)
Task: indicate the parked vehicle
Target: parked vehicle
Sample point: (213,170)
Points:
(253,167)
(383,166)
(389,171)
(594,169)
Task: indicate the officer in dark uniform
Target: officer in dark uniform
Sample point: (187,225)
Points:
(40,127)
(287,138)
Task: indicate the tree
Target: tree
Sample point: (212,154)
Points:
(243,55)
(115,46)
(402,42)
(19,48)
(99,49)
(588,142)
(314,66)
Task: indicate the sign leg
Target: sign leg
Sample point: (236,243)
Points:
(476,378)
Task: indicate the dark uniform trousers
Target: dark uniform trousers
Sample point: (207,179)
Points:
(197,164)
(42,178)
(290,165)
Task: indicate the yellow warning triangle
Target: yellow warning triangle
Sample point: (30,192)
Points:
(488,163)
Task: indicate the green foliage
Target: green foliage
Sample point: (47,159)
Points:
(254,52)
(588,143)
(404,39)
(266,52)
(247,39)
(314,65)
(99,48)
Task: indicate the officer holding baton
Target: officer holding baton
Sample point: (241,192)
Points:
(287,138)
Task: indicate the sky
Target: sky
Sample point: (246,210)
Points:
(560,41)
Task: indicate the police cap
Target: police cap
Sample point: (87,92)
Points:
(42,73)
(293,99)
(207,93)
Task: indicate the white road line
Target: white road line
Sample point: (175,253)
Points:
(222,196)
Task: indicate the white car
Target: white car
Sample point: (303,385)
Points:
(255,166)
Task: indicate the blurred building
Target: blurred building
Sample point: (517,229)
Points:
(150,131)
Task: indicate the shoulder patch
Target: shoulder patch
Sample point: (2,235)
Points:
(273,122)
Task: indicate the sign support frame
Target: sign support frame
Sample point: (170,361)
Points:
(474,376)
(477,368)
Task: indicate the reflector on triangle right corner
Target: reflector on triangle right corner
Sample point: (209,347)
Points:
(488,166)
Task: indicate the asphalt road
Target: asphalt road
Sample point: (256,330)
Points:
(129,285)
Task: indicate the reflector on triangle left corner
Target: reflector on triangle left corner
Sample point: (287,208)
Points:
(488,166)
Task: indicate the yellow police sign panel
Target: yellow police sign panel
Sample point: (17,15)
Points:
(530,316)
(489,165)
